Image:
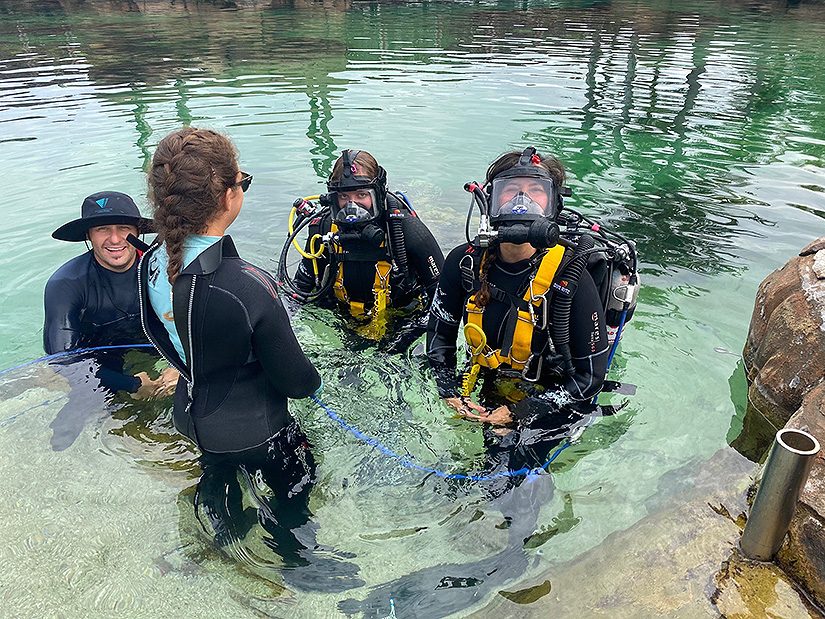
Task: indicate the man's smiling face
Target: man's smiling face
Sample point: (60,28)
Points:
(111,249)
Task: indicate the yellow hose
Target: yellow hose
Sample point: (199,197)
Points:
(476,350)
(468,380)
(312,255)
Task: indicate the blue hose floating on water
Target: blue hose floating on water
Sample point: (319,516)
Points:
(406,462)
(403,460)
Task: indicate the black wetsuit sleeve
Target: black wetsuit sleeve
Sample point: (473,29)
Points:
(276,347)
(424,255)
(443,323)
(63,305)
(305,275)
(117,381)
(589,348)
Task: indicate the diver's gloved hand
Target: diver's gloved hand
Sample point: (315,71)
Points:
(408,285)
(554,364)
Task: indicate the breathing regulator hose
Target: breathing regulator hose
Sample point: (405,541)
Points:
(303,211)
(399,247)
(563,303)
(480,200)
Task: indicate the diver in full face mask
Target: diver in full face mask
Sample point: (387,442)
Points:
(375,253)
(507,285)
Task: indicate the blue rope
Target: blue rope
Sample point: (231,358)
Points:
(73,352)
(406,462)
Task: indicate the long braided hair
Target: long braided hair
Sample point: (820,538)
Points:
(505,162)
(191,171)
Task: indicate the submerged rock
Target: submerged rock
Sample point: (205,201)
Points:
(665,565)
(747,589)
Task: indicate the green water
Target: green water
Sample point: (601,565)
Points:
(695,128)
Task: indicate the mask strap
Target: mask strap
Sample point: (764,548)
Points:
(526,158)
(348,160)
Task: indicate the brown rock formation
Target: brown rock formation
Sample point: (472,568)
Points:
(785,351)
(802,556)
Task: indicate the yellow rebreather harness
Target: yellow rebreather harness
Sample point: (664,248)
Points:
(377,315)
(520,354)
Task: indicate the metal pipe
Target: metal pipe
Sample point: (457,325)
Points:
(785,473)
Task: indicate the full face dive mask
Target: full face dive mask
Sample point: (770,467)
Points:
(355,199)
(524,193)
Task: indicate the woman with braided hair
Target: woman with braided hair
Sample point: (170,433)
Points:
(505,294)
(219,321)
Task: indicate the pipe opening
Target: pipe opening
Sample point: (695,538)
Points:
(798,442)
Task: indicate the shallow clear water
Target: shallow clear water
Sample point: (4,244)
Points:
(695,128)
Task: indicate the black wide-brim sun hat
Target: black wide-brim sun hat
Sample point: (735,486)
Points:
(103,209)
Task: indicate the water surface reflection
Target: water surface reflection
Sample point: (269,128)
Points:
(693,129)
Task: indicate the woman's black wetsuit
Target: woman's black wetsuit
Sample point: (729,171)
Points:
(243,358)
(243,362)
(424,256)
(545,411)
(86,306)
(588,338)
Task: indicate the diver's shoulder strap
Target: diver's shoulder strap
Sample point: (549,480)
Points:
(516,351)
(381,285)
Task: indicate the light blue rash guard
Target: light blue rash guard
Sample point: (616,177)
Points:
(160,290)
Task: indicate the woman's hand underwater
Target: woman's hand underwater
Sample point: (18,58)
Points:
(500,416)
(147,388)
(464,406)
(468,409)
(166,382)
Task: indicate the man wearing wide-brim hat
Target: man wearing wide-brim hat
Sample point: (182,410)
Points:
(92,300)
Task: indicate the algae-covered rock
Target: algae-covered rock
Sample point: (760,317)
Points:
(802,556)
(747,589)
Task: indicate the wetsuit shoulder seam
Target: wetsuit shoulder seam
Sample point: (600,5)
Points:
(237,300)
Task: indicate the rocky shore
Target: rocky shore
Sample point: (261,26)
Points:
(784,360)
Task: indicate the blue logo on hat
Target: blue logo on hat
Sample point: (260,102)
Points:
(102,204)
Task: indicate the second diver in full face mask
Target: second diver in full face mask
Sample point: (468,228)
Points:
(367,247)
(535,320)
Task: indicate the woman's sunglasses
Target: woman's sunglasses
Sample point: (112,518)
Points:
(245,182)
